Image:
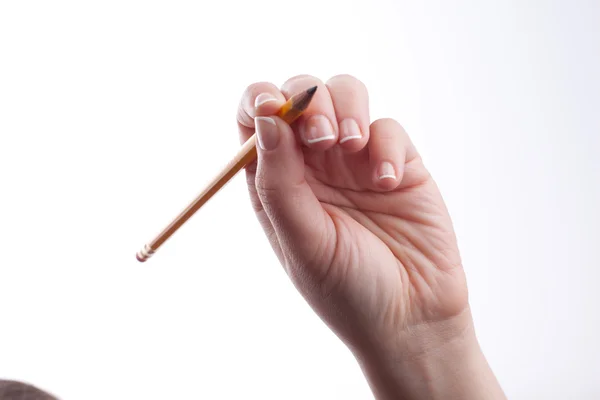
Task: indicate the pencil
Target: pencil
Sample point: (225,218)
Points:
(289,112)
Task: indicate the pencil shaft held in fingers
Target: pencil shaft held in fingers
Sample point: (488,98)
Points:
(289,112)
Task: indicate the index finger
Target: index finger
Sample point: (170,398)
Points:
(259,99)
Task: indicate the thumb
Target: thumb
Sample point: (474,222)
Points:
(298,218)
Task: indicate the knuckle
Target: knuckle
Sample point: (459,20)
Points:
(348,80)
(290,83)
(388,127)
(385,122)
(243,118)
(253,90)
(264,190)
(302,77)
(256,87)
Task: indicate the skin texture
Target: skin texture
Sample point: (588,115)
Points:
(362,230)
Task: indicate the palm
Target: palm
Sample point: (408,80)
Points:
(393,254)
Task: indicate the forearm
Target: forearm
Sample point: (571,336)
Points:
(433,366)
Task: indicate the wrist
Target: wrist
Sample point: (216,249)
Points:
(441,360)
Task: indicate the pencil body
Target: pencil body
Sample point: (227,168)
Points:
(246,154)
(289,112)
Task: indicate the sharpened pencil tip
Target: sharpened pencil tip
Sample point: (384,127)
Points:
(301,101)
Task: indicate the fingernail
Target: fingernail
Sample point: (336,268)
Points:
(263,98)
(267,133)
(317,129)
(386,171)
(349,130)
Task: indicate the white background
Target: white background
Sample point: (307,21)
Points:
(113,114)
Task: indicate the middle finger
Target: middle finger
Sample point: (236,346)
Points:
(317,127)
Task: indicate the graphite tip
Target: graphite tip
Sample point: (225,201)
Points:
(312,90)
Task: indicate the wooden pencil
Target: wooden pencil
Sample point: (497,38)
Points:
(289,112)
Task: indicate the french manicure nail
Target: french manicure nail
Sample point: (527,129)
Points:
(263,98)
(267,133)
(349,130)
(386,171)
(317,129)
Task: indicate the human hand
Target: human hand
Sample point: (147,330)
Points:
(361,229)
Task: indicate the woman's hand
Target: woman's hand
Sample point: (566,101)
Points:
(362,230)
